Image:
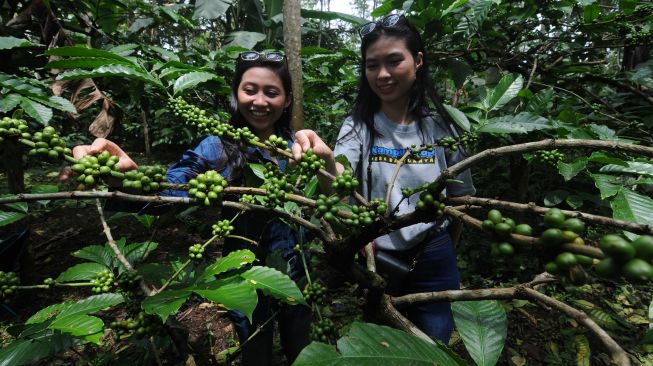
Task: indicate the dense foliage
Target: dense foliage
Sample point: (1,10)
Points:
(574,75)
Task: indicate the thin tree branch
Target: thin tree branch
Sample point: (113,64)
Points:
(114,247)
(523,291)
(483,156)
(398,166)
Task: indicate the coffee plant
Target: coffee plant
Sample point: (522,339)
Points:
(550,102)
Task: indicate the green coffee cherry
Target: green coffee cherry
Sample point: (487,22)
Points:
(222,228)
(103,282)
(344,184)
(139,326)
(196,252)
(207,188)
(8,285)
(147,178)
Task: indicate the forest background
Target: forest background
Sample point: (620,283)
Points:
(510,72)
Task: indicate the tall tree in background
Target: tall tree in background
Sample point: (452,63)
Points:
(292,41)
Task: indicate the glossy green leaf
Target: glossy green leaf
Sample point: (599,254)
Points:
(166,303)
(211,9)
(234,294)
(96,253)
(333,15)
(634,167)
(507,89)
(274,283)
(17,206)
(84,63)
(91,304)
(7,43)
(25,352)
(136,252)
(9,102)
(521,123)
(632,206)
(80,51)
(554,198)
(245,39)
(81,272)
(192,79)
(570,170)
(233,260)
(483,326)
(608,185)
(47,312)
(7,217)
(459,117)
(36,110)
(312,186)
(374,345)
(78,325)
(111,71)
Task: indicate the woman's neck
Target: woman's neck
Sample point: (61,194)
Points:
(397,111)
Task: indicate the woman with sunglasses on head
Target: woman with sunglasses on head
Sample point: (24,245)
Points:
(262,101)
(390,114)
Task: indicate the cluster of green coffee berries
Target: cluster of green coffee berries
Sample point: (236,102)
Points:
(551,157)
(344,184)
(277,141)
(503,227)
(128,280)
(146,178)
(8,284)
(247,198)
(315,293)
(191,114)
(222,228)
(103,282)
(469,139)
(360,216)
(207,187)
(49,143)
(196,252)
(310,163)
(325,207)
(141,326)
(90,167)
(323,331)
(12,127)
(428,203)
(562,230)
(244,134)
(276,189)
(630,259)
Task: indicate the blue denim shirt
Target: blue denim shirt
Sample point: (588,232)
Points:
(269,231)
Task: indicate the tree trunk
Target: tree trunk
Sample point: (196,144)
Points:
(292,41)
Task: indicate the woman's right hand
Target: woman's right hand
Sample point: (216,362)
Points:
(308,139)
(99,145)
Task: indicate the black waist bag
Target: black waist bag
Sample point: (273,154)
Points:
(394,270)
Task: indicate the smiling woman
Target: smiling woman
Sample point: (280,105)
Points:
(262,95)
(391,114)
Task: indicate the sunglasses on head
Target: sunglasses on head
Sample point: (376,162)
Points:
(389,21)
(264,56)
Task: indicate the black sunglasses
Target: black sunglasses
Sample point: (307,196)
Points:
(264,56)
(389,21)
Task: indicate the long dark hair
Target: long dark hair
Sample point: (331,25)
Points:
(367,103)
(237,155)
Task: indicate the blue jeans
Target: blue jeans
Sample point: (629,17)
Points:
(435,270)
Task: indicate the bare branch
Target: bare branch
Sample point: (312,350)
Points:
(485,155)
(619,356)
